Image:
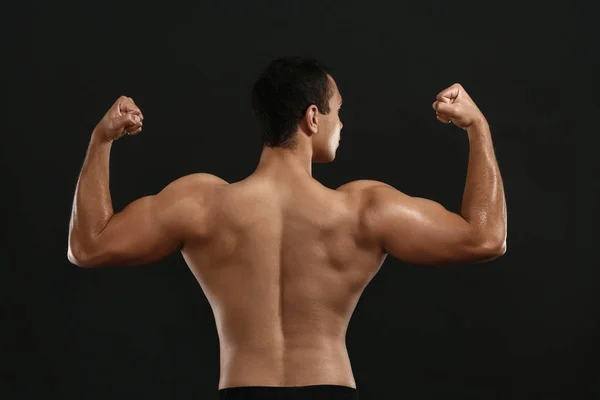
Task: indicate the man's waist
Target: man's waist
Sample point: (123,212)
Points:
(286,368)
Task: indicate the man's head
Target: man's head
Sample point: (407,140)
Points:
(296,97)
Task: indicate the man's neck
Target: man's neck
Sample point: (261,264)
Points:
(286,162)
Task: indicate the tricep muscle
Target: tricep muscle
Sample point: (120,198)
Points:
(421,231)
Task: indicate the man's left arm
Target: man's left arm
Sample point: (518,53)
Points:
(145,231)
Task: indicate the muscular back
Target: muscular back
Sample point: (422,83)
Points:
(283,267)
(283,261)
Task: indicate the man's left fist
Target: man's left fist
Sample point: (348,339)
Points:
(123,118)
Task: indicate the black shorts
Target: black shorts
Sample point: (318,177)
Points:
(313,392)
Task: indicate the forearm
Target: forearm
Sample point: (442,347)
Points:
(484,204)
(92,205)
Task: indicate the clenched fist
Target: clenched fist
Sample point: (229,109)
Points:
(124,117)
(455,105)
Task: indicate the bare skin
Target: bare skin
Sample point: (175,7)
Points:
(283,259)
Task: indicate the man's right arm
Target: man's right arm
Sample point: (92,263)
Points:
(421,231)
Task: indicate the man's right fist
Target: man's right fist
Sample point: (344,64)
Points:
(455,105)
(124,117)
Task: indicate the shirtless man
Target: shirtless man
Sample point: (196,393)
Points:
(281,258)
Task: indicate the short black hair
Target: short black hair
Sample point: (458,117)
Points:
(283,92)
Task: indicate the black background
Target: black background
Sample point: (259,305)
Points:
(521,327)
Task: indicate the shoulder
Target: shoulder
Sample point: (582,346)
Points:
(186,200)
(374,197)
(200,179)
(193,184)
(369,191)
(360,193)
(188,189)
(360,186)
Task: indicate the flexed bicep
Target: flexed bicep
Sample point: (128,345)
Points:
(152,227)
(421,231)
(145,231)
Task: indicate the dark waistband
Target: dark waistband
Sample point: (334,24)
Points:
(312,392)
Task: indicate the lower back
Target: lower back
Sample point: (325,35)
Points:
(281,365)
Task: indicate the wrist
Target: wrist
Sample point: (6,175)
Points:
(100,137)
(480,124)
(479,121)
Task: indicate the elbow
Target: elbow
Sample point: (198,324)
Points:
(500,244)
(95,259)
(499,251)
(502,249)
(493,243)
(78,257)
(494,249)
(74,260)
(77,260)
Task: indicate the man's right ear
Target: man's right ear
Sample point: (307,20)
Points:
(312,118)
